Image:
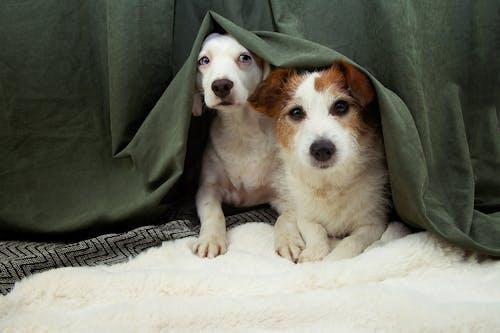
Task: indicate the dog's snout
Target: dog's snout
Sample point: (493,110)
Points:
(222,87)
(322,150)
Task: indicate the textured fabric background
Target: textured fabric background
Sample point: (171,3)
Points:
(413,284)
(91,138)
(20,259)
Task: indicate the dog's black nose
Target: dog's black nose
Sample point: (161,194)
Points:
(322,150)
(222,87)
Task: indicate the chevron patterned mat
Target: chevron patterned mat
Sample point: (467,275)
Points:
(22,259)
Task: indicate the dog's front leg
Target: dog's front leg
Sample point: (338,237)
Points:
(287,240)
(357,241)
(212,239)
(316,238)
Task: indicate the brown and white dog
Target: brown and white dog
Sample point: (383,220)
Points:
(241,156)
(333,178)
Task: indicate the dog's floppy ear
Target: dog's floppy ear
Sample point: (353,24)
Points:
(266,69)
(264,66)
(197,109)
(267,97)
(197,104)
(358,83)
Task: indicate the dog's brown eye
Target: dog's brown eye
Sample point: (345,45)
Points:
(297,114)
(203,61)
(340,108)
(245,58)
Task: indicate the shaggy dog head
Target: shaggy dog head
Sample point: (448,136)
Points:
(325,119)
(227,74)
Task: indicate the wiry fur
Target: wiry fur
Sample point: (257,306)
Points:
(339,205)
(240,157)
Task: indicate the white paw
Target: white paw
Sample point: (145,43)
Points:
(210,247)
(289,246)
(290,251)
(314,253)
(343,252)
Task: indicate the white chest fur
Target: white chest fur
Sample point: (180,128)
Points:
(242,155)
(337,200)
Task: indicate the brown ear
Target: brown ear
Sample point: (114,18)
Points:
(269,93)
(357,82)
(197,109)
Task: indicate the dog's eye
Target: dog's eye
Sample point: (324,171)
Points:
(297,114)
(203,61)
(245,58)
(340,108)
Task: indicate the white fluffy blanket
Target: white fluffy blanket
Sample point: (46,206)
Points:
(405,283)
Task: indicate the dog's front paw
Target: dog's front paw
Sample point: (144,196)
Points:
(210,247)
(291,250)
(346,249)
(289,245)
(314,253)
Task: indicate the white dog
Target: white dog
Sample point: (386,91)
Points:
(240,157)
(333,178)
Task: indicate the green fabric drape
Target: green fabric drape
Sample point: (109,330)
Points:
(90,137)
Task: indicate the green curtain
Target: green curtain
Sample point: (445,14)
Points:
(95,101)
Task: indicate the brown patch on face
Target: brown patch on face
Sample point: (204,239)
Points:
(285,131)
(351,85)
(357,82)
(269,95)
(355,123)
(272,97)
(332,78)
(345,77)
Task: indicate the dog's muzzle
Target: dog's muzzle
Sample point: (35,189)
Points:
(222,87)
(322,150)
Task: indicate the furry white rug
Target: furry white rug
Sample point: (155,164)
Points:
(405,283)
